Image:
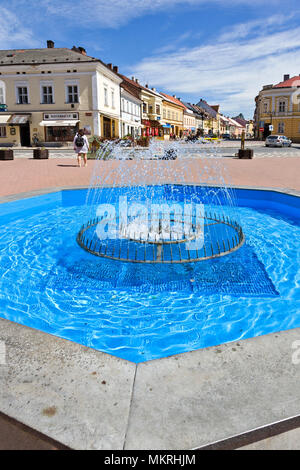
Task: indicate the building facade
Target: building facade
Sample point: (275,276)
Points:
(211,125)
(278,109)
(48,94)
(131,110)
(189,120)
(172,119)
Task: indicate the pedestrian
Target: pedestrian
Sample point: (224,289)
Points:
(81,146)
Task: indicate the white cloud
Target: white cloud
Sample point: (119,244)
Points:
(116,13)
(13,34)
(232,70)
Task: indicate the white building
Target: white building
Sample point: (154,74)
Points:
(130,121)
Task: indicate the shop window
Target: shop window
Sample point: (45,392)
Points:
(2,131)
(47,94)
(281,128)
(22,95)
(60,133)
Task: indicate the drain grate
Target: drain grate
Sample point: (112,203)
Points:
(239,274)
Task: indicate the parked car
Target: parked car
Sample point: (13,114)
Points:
(278,141)
(226,136)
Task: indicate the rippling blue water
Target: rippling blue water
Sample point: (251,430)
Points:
(43,285)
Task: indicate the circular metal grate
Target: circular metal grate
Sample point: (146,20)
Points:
(182,241)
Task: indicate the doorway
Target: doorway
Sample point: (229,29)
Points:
(106,128)
(267,131)
(25,135)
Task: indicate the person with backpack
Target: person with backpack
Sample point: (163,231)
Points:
(81,146)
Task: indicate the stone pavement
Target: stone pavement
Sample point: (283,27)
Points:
(16,436)
(222,149)
(23,175)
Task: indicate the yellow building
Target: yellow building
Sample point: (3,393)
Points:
(50,93)
(278,109)
(172,119)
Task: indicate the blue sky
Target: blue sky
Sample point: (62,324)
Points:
(222,51)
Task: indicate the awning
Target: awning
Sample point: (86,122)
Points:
(59,123)
(4,118)
(19,118)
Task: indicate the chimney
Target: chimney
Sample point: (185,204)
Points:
(174,96)
(109,66)
(82,50)
(153,89)
(286,77)
(137,80)
(147,86)
(116,69)
(50,44)
(132,78)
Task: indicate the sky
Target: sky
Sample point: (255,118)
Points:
(222,51)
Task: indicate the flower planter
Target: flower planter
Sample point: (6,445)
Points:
(245,153)
(143,142)
(40,154)
(6,154)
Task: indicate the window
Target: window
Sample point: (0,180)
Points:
(2,100)
(164,114)
(105,97)
(47,94)
(265,107)
(150,109)
(144,107)
(123,105)
(2,131)
(157,109)
(72,96)
(281,127)
(22,95)
(281,107)
(113,99)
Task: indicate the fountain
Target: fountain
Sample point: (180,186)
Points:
(144,209)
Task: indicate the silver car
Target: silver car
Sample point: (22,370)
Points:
(278,141)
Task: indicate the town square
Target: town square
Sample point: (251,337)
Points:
(149,228)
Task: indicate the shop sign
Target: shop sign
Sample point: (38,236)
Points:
(3,107)
(62,116)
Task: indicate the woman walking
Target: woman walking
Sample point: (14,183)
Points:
(81,146)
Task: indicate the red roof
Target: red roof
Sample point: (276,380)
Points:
(294,81)
(175,100)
